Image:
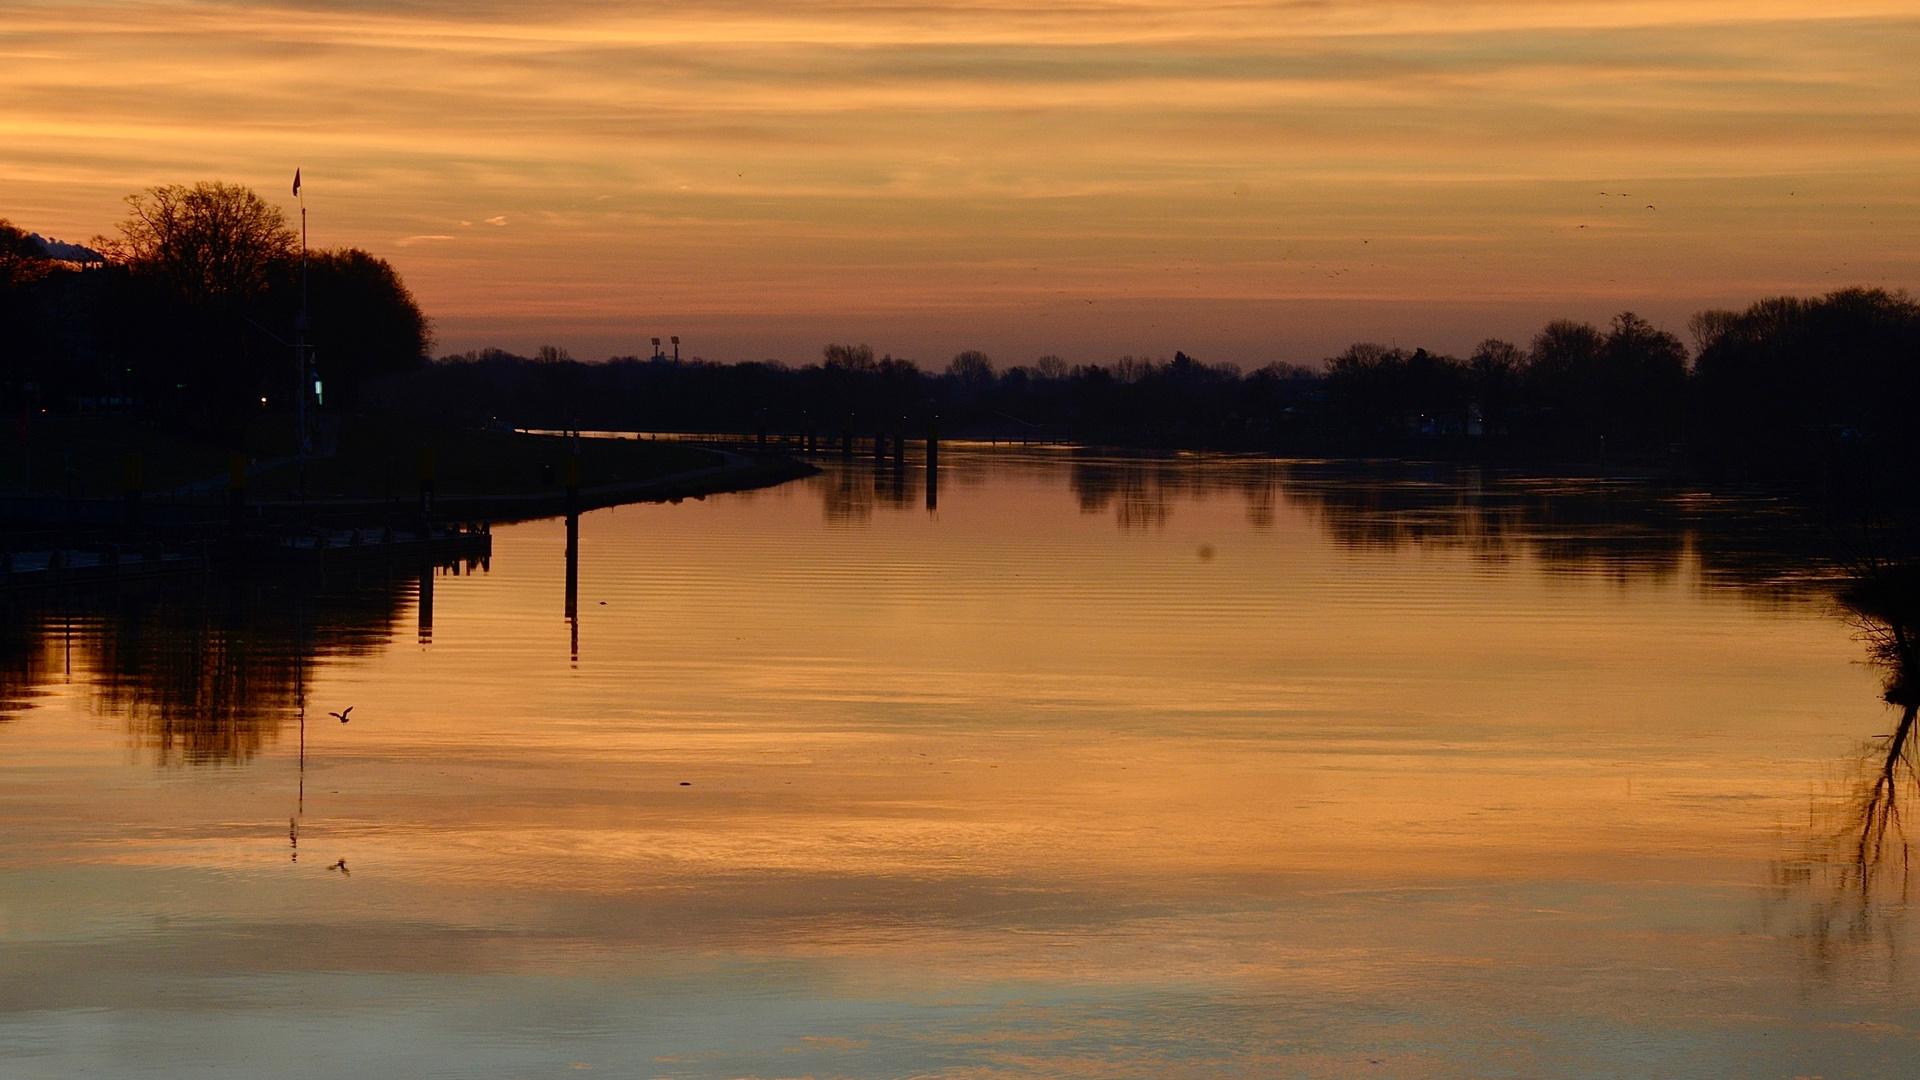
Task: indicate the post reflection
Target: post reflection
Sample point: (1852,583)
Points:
(573,585)
(425,607)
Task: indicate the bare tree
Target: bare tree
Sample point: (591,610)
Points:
(857,358)
(972,368)
(209,243)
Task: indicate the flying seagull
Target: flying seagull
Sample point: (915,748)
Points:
(342,714)
(342,867)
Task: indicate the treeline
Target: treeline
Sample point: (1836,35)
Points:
(1180,402)
(190,316)
(1775,391)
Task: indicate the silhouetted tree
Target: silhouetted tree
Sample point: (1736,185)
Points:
(21,256)
(22,324)
(205,244)
(365,321)
(1825,386)
(972,369)
(857,359)
(1496,370)
(198,265)
(1388,392)
(1625,386)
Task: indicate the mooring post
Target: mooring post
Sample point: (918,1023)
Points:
(573,567)
(846,441)
(933,463)
(900,442)
(879,446)
(573,481)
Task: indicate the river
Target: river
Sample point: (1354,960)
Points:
(1101,766)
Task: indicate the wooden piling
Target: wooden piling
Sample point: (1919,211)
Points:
(933,463)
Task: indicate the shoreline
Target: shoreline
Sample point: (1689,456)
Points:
(737,471)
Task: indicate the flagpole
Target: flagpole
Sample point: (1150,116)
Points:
(300,327)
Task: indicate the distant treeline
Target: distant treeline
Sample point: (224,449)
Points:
(1781,390)
(190,314)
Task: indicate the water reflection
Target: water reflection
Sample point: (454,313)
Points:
(1140,493)
(1370,777)
(1851,880)
(1621,527)
(24,663)
(850,493)
(205,671)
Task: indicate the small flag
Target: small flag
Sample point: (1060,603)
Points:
(296,181)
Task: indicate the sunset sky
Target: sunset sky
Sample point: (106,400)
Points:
(1245,181)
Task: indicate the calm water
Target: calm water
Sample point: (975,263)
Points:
(1106,767)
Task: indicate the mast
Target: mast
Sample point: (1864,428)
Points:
(301,360)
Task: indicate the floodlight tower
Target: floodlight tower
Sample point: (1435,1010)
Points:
(676,348)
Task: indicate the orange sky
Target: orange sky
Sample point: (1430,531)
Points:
(1246,181)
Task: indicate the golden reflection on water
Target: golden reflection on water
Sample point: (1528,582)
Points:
(1106,765)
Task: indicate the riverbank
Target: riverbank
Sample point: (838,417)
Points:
(103,471)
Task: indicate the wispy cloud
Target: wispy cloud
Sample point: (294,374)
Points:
(736,158)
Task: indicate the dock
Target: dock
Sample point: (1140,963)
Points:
(317,548)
